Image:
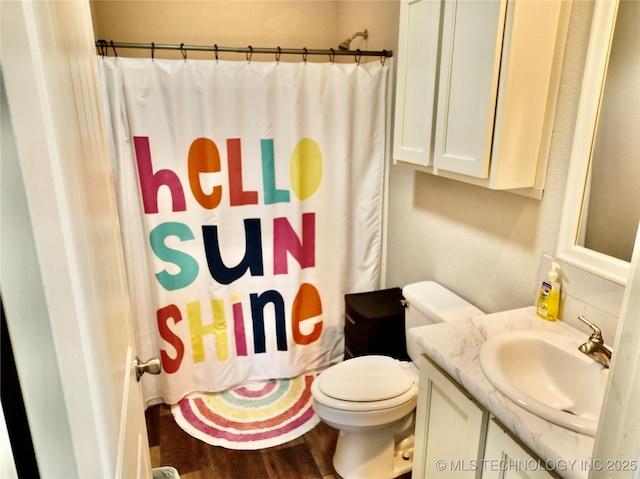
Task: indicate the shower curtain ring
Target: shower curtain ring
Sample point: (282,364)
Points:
(304,55)
(153,50)
(332,56)
(249,53)
(101,49)
(383,58)
(358,56)
(215,48)
(278,53)
(114,49)
(183,51)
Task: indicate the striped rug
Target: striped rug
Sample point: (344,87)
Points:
(253,416)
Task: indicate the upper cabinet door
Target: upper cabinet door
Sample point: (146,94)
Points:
(477,89)
(416,85)
(472,35)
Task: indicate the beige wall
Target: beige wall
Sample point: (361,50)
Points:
(485,245)
(239,23)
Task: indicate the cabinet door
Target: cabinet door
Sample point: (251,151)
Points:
(415,89)
(472,34)
(504,458)
(450,427)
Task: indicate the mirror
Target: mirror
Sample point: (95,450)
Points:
(612,200)
(598,224)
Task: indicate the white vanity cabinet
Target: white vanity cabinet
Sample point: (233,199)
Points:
(504,458)
(456,437)
(450,427)
(476,89)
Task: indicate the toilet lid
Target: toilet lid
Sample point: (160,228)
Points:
(365,378)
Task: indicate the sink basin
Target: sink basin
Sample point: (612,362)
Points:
(546,374)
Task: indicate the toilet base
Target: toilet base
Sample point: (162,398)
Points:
(385,454)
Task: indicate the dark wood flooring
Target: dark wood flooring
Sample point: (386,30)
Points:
(307,457)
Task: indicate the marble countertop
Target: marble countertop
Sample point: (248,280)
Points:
(455,346)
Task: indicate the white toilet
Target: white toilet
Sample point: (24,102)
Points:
(371,400)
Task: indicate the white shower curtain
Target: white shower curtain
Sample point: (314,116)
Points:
(250,198)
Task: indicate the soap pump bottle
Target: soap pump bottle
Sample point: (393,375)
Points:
(549,297)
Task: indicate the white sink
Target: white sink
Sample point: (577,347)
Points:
(547,375)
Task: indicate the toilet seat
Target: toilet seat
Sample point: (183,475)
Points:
(365,383)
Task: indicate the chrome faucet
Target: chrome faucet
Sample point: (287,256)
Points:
(595,347)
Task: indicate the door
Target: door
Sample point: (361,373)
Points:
(63,280)
(471,50)
(416,85)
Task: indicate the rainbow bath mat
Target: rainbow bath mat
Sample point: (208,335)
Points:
(253,416)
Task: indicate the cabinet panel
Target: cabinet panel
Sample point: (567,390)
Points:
(529,82)
(504,458)
(416,85)
(469,73)
(450,427)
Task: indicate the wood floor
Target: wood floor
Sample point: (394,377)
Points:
(307,457)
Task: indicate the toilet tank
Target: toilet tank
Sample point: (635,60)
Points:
(428,302)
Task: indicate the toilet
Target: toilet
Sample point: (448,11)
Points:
(371,400)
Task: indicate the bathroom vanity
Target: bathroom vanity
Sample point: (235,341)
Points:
(465,427)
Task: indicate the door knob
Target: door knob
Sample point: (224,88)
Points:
(152,366)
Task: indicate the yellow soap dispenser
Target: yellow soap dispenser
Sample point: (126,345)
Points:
(549,297)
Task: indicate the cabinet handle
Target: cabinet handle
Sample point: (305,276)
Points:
(351,320)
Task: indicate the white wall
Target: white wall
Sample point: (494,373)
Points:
(484,245)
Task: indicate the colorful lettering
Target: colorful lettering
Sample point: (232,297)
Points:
(188,265)
(296,240)
(252,260)
(204,158)
(238,328)
(170,364)
(306,305)
(151,182)
(306,168)
(258,303)
(271,194)
(218,328)
(286,241)
(238,196)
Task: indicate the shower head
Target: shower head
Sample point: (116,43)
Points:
(345,45)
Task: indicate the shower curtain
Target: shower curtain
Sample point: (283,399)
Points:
(250,197)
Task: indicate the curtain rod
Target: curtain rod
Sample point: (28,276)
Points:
(103,47)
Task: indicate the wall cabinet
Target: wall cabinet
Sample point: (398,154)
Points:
(476,89)
(456,438)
